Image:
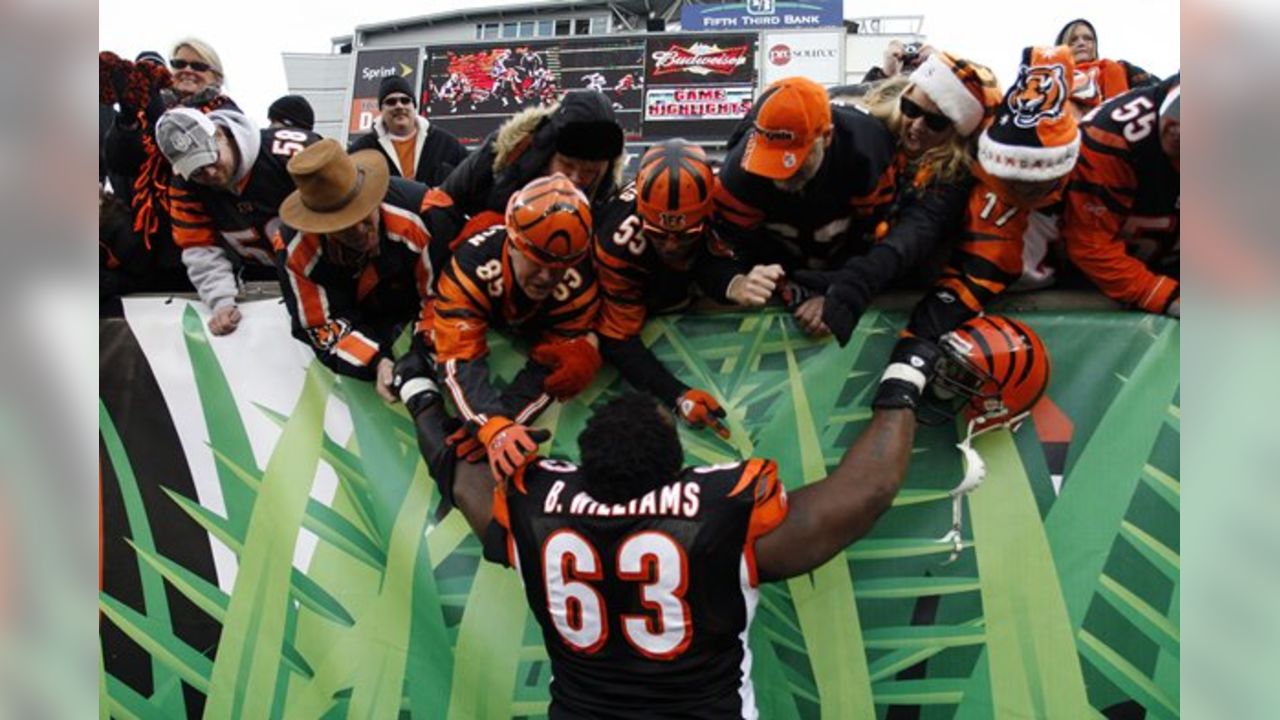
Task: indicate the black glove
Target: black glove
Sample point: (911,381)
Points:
(846,300)
(414,381)
(912,364)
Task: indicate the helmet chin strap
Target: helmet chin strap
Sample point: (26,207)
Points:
(975,471)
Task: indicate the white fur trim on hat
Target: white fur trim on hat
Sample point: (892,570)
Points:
(939,82)
(1032,164)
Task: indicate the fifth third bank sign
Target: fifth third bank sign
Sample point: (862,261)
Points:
(763,15)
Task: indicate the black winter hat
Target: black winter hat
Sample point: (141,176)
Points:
(585,126)
(294,111)
(395,84)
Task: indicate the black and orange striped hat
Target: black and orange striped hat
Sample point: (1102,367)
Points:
(673,186)
(549,221)
(999,364)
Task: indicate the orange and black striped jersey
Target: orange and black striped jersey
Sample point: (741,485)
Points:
(662,586)
(245,218)
(348,308)
(987,259)
(634,280)
(477,291)
(1121,223)
(832,218)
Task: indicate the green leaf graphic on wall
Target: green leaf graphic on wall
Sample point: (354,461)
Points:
(1064,604)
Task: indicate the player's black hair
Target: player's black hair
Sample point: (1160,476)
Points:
(629,447)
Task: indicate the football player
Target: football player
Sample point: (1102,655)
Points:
(803,184)
(1024,158)
(644,575)
(354,259)
(653,241)
(1122,210)
(531,275)
(231,179)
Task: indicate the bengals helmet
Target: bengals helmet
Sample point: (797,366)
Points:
(549,221)
(673,196)
(996,368)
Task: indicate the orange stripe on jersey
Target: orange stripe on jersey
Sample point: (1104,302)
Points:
(768,511)
(356,349)
(406,227)
(957,286)
(456,290)
(367,281)
(734,210)
(502,515)
(749,473)
(1103,137)
(313,303)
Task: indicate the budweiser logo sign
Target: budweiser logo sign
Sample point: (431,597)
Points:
(699,59)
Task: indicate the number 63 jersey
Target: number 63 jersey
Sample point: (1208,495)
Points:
(644,605)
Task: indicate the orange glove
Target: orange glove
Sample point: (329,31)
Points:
(510,445)
(699,409)
(465,445)
(573,364)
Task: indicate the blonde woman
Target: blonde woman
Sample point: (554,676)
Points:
(196,79)
(936,114)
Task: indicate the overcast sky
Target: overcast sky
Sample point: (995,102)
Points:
(250,36)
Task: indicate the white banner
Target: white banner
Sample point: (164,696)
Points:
(264,366)
(815,55)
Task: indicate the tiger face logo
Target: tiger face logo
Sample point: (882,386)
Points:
(1040,93)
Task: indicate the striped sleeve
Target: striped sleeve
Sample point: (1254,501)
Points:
(192,226)
(622,308)
(341,345)
(1099,198)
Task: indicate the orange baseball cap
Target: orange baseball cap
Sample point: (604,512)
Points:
(793,113)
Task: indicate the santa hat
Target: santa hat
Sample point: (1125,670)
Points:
(964,91)
(1034,136)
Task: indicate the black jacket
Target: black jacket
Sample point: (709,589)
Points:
(438,154)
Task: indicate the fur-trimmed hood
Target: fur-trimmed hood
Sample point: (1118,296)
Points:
(524,144)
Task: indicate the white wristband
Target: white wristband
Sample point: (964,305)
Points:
(415,386)
(906,373)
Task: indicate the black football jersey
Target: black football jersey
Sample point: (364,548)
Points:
(645,606)
(248,218)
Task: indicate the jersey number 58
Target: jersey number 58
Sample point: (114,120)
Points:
(577,610)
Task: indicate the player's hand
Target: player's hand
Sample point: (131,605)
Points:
(573,364)
(466,446)
(756,287)
(225,320)
(698,409)
(809,317)
(913,363)
(509,445)
(385,376)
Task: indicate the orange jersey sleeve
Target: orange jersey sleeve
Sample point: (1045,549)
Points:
(769,506)
(1099,200)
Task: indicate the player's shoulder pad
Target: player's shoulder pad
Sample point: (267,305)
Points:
(540,472)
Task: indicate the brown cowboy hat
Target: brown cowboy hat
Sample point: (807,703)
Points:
(335,190)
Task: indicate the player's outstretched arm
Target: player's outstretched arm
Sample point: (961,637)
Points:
(825,517)
(465,485)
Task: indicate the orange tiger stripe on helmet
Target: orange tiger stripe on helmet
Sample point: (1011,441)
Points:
(549,221)
(674,186)
(1011,367)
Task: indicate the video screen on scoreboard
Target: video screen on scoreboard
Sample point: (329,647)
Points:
(470,90)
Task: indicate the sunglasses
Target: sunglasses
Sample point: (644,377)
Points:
(397,100)
(935,121)
(196,65)
(673,237)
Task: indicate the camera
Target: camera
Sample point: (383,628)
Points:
(910,56)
